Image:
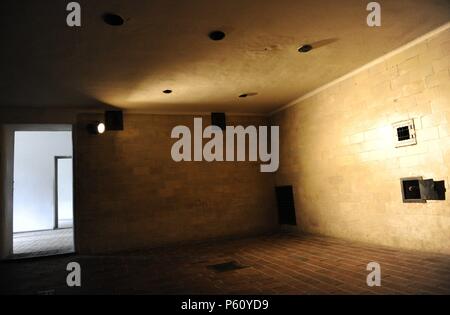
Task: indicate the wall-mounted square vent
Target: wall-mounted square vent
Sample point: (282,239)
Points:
(404,133)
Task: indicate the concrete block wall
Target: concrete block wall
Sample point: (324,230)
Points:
(131,195)
(337,151)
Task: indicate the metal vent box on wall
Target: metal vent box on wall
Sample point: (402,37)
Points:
(114,120)
(411,189)
(417,189)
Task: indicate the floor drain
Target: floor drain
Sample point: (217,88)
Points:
(227,266)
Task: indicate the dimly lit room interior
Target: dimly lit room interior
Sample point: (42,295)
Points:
(212,147)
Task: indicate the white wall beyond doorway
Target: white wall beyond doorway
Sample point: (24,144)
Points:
(64,184)
(34,177)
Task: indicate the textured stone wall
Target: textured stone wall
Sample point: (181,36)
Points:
(337,151)
(130,194)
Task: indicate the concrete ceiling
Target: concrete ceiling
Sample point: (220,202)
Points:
(164,45)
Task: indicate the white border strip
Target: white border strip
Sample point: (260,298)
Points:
(364,67)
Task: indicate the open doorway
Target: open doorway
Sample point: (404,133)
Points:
(42,193)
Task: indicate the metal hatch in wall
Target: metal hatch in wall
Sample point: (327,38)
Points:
(285,203)
(417,189)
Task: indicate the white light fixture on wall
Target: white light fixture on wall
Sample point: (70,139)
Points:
(101,128)
(96,128)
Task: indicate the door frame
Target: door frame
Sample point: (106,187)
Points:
(7,179)
(56,216)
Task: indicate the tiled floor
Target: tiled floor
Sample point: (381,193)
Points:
(43,243)
(274,264)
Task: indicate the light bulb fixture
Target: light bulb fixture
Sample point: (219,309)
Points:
(96,128)
(101,128)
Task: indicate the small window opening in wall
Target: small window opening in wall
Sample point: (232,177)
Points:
(404,133)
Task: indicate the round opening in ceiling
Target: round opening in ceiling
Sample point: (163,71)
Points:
(248,94)
(167,91)
(112,19)
(216,35)
(305,48)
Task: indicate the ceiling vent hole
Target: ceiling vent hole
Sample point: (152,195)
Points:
(216,35)
(305,48)
(113,19)
(247,94)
